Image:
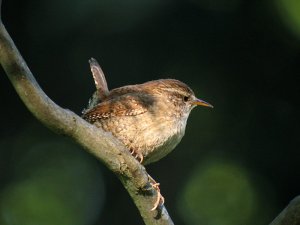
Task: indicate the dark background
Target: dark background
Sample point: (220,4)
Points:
(237,164)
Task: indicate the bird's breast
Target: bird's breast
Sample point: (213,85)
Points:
(168,135)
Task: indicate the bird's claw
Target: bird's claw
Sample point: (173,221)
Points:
(160,200)
(138,156)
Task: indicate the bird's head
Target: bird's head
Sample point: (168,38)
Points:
(177,93)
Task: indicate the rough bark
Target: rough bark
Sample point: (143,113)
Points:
(290,215)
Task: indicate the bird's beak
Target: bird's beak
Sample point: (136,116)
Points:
(202,103)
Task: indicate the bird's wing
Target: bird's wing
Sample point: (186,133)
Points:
(125,105)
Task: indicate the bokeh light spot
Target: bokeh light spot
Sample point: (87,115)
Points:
(53,182)
(289,11)
(219,193)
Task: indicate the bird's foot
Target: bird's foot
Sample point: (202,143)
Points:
(139,156)
(160,200)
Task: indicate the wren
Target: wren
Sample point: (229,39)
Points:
(149,118)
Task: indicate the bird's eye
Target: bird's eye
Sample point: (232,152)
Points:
(186,98)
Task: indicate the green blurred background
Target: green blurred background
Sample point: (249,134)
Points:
(238,163)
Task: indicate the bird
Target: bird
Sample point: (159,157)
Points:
(149,118)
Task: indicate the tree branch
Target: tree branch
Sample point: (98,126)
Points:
(99,143)
(290,215)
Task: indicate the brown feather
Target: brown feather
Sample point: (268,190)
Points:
(124,105)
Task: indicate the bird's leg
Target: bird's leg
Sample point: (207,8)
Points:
(154,185)
(160,200)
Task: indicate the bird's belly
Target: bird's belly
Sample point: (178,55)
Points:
(162,149)
(154,138)
(159,139)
